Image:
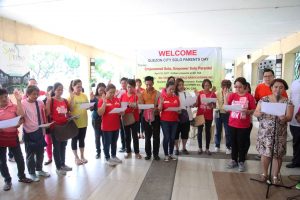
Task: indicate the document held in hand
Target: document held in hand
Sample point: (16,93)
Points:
(10,122)
(173,109)
(233,107)
(145,106)
(86,105)
(118,110)
(277,109)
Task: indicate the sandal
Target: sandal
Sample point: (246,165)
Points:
(276,180)
(25,180)
(84,161)
(263,177)
(78,161)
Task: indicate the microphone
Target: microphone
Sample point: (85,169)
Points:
(278,95)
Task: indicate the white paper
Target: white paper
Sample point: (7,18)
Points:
(145,106)
(124,104)
(41,98)
(190,101)
(233,107)
(208,100)
(173,109)
(10,122)
(45,125)
(277,109)
(117,110)
(74,117)
(86,105)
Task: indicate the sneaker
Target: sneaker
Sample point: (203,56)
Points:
(7,186)
(61,172)
(11,160)
(171,157)
(228,151)
(167,159)
(66,168)
(122,150)
(116,160)
(34,178)
(232,164)
(43,173)
(176,152)
(185,152)
(110,162)
(217,149)
(242,167)
(156,158)
(147,157)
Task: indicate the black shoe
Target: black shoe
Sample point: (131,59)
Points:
(292,165)
(147,157)
(185,152)
(156,158)
(97,156)
(176,152)
(122,150)
(7,186)
(48,162)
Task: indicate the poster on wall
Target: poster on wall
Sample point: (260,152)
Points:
(193,65)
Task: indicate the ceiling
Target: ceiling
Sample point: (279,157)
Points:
(238,26)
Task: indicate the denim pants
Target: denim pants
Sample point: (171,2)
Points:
(17,153)
(98,135)
(34,158)
(59,152)
(169,131)
(110,142)
(220,121)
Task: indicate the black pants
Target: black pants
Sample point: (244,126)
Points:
(295,130)
(131,131)
(207,134)
(152,130)
(239,147)
(98,134)
(17,153)
(140,124)
(122,134)
(34,158)
(80,137)
(59,152)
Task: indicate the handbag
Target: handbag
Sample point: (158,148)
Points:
(128,119)
(66,131)
(198,120)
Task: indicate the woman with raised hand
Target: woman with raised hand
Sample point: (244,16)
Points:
(110,124)
(169,119)
(77,97)
(268,130)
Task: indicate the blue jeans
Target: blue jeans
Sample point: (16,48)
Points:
(222,120)
(169,130)
(98,134)
(110,141)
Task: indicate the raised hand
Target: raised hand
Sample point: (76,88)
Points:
(17,95)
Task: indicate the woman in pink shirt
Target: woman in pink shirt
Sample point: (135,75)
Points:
(239,122)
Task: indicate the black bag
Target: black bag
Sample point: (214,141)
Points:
(66,131)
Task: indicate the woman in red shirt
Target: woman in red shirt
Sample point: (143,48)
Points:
(205,109)
(131,129)
(110,123)
(239,122)
(169,119)
(58,110)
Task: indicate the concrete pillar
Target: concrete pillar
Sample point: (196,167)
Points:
(288,62)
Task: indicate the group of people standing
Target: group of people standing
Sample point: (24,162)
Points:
(166,110)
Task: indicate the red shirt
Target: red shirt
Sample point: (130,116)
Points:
(263,90)
(59,111)
(239,119)
(110,121)
(141,90)
(169,101)
(131,99)
(9,112)
(203,109)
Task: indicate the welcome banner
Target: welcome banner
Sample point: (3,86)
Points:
(193,65)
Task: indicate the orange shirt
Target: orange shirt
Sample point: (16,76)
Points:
(149,97)
(263,90)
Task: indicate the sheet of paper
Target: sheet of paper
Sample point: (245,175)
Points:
(10,122)
(190,100)
(208,100)
(41,98)
(74,117)
(145,106)
(117,110)
(45,125)
(124,104)
(233,107)
(173,109)
(86,105)
(277,109)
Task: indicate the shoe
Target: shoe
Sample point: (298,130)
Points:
(127,155)
(217,149)
(292,165)
(25,180)
(176,152)
(167,159)
(7,186)
(232,164)
(11,159)
(110,162)
(48,162)
(208,152)
(228,151)
(156,158)
(97,156)
(122,150)
(298,186)
(61,172)
(43,173)
(242,167)
(200,151)
(34,178)
(171,157)
(66,168)
(147,157)
(185,152)
(138,156)
(116,160)
(84,161)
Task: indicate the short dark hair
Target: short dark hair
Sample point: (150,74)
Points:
(3,91)
(99,86)
(268,70)
(149,78)
(31,88)
(170,83)
(110,86)
(123,79)
(242,80)
(206,81)
(279,80)
(32,79)
(55,86)
(131,82)
(138,80)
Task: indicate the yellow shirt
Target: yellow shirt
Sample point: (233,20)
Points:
(81,122)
